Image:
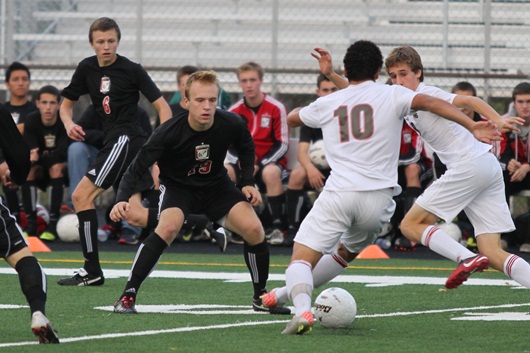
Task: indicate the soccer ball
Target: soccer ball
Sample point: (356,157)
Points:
(317,153)
(335,308)
(452,230)
(68,228)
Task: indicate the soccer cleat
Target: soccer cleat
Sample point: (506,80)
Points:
(474,264)
(258,305)
(125,305)
(47,236)
(270,300)
(300,324)
(404,244)
(128,237)
(42,328)
(219,237)
(82,278)
(275,237)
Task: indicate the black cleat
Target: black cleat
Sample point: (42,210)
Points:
(82,278)
(257,305)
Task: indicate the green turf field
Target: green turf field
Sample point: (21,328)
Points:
(201,303)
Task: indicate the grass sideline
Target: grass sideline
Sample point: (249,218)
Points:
(397,318)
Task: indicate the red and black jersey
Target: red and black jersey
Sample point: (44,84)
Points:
(114,91)
(513,146)
(268,127)
(192,159)
(411,149)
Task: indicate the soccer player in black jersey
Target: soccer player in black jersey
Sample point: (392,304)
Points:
(113,83)
(190,153)
(14,168)
(45,135)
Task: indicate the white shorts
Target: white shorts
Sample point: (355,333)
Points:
(477,187)
(354,217)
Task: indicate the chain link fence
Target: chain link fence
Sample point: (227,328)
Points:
(485,42)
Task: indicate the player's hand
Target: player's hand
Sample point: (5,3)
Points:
(486,131)
(315,177)
(6,176)
(324,60)
(119,211)
(252,194)
(520,173)
(34,155)
(509,124)
(75,132)
(513,165)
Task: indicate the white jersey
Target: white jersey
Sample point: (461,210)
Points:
(452,142)
(361,126)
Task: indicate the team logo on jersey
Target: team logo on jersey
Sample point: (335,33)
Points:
(407,137)
(202,152)
(15,116)
(104,86)
(265,121)
(49,141)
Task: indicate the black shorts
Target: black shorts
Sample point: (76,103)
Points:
(213,201)
(11,238)
(112,161)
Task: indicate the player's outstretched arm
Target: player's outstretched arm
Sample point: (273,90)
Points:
(478,105)
(484,131)
(326,67)
(293,118)
(119,211)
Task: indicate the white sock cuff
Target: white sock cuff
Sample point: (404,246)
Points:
(509,264)
(427,235)
(340,260)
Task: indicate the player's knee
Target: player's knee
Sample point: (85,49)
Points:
(271,174)
(77,149)
(254,234)
(297,178)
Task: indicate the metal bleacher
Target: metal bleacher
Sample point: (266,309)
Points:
(225,33)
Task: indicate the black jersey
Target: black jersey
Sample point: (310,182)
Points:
(52,141)
(309,134)
(192,159)
(92,125)
(20,112)
(114,91)
(13,149)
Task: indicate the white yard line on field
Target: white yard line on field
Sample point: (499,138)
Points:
(370,281)
(255,323)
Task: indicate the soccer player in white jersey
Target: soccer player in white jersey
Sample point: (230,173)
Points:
(473,182)
(361,126)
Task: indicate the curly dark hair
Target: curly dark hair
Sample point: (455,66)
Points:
(362,61)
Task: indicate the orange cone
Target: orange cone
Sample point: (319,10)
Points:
(372,252)
(37,245)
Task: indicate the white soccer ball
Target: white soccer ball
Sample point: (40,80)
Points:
(452,230)
(68,228)
(335,308)
(317,153)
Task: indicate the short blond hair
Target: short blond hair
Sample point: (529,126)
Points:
(251,66)
(204,77)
